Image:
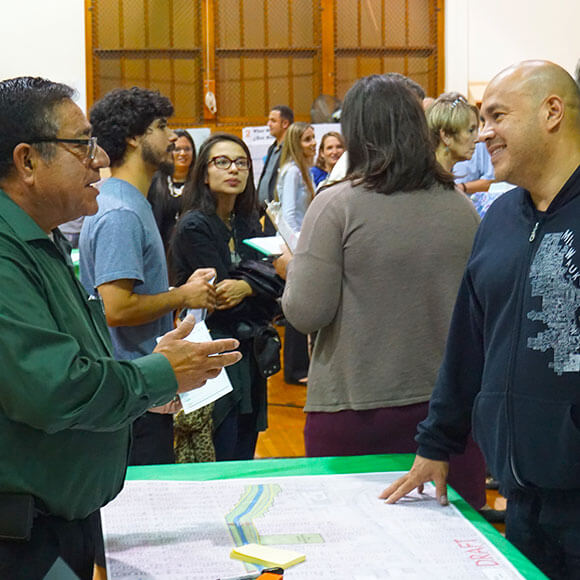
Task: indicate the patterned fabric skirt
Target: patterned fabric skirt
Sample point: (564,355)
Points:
(193,436)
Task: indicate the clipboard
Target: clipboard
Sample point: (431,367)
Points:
(290,237)
(268,245)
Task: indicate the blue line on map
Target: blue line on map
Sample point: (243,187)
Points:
(259,492)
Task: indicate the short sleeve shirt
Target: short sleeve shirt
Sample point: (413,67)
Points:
(122,241)
(478,167)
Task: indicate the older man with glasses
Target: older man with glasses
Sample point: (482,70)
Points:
(66,405)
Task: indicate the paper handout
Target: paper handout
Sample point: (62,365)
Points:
(289,236)
(213,388)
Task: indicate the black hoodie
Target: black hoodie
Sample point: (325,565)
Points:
(511,369)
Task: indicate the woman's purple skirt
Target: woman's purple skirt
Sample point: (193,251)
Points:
(391,430)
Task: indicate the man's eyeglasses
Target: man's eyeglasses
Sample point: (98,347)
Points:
(223,162)
(90,143)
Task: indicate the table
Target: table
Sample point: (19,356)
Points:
(174,521)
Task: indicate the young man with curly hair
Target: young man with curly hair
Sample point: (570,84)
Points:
(121,253)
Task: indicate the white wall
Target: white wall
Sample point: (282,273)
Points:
(47,38)
(483,37)
(44,38)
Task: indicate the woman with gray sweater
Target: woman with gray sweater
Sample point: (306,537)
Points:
(376,272)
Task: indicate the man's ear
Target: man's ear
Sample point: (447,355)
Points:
(25,159)
(285,123)
(134,142)
(553,112)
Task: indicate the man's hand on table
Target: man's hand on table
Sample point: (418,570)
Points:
(423,471)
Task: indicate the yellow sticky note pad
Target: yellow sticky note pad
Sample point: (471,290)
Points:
(267,556)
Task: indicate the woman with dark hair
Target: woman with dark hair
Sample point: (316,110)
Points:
(377,267)
(166,190)
(329,152)
(220,211)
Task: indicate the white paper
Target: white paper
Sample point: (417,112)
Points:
(269,245)
(186,530)
(213,388)
(289,236)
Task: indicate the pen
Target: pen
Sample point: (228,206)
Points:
(255,574)
(248,576)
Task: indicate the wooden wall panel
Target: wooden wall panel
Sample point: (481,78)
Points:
(160,75)
(229,31)
(253,18)
(133,24)
(135,71)
(254,54)
(278,83)
(371,24)
(418,19)
(301,21)
(159,21)
(277,24)
(395,23)
(253,88)
(110,74)
(187,92)
(186,25)
(107,27)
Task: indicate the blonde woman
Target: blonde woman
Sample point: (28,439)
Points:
(295,189)
(331,148)
(454,128)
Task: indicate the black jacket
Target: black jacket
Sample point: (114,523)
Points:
(202,241)
(274,176)
(511,370)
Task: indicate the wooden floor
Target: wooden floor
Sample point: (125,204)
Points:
(284,436)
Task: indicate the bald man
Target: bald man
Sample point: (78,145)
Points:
(511,371)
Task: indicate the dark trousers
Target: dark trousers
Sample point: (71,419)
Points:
(296,359)
(152,440)
(269,229)
(547,531)
(52,537)
(391,430)
(236,436)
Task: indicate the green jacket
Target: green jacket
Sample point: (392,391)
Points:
(66,405)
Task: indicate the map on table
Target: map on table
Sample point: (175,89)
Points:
(185,530)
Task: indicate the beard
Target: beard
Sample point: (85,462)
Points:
(167,167)
(162,161)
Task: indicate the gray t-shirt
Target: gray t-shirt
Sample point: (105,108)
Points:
(121,241)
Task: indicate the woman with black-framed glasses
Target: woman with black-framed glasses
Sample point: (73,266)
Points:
(220,210)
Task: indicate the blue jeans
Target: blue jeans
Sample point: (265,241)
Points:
(546,529)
